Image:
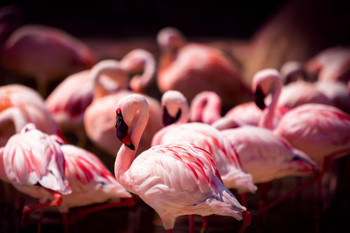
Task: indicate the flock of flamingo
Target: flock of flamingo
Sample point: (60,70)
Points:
(210,140)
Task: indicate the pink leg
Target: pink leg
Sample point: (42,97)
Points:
(65,222)
(205,223)
(84,212)
(244,199)
(247,219)
(40,220)
(190,224)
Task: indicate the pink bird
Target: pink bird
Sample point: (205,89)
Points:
(68,102)
(267,156)
(91,183)
(205,107)
(45,53)
(34,164)
(330,92)
(318,130)
(204,136)
(247,113)
(192,68)
(332,64)
(20,105)
(99,116)
(174,179)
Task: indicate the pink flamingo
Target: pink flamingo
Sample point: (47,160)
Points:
(91,183)
(192,68)
(46,53)
(99,116)
(331,64)
(174,179)
(68,101)
(32,157)
(206,107)
(330,92)
(20,105)
(204,136)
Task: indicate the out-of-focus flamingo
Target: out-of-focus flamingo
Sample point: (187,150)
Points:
(45,53)
(20,105)
(206,137)
(91,183)
(192,68)
(192,187)
(205,107)
(99,118)
(330,92)
(34,164)
(318,130)
(332,64)
(68,102)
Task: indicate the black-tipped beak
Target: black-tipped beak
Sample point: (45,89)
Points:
(122,130)
(259,98)
(168,119)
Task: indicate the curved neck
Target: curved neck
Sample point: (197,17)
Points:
(206,108)
(139,61)
(138,114)
(267,118)
(117,77)
(15,116)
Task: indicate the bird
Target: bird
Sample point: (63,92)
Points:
(318,130)
(34,164)
(174,179)
(330,92)
(205,107)
(91,183)
(20,105)
(46,53)
(194,67)
(99,115)
(267,156)
(68,101)
(330,64)
(204,136)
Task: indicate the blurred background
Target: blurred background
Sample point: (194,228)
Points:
(279,30)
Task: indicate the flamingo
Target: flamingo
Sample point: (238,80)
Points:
(206,107)
(46,53)
(20,105)
(34,165)
(91,183)
(68,101)
(331,64)
(330,92)
(174,179)
(204,136)
(192,68)
(99,115)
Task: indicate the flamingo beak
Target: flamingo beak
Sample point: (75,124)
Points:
(168,119)
(259,97)
(122,130)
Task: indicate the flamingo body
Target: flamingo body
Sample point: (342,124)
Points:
(267,156)
(174,179)
(318,130)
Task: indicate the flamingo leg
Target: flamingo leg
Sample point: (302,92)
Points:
(247,219)
(244,199)
(40,220)
(204,224)
(191,224)
(82,213)
(65,222)
(27,209)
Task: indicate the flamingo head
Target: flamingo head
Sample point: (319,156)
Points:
(170,38)
(292,71)
(175,107)
(264,82)
(168,119)
(122,130)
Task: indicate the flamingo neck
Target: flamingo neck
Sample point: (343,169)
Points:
(140,60)
(118,77)
(267,118)
(125,155)
(15,116)
(206,108)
